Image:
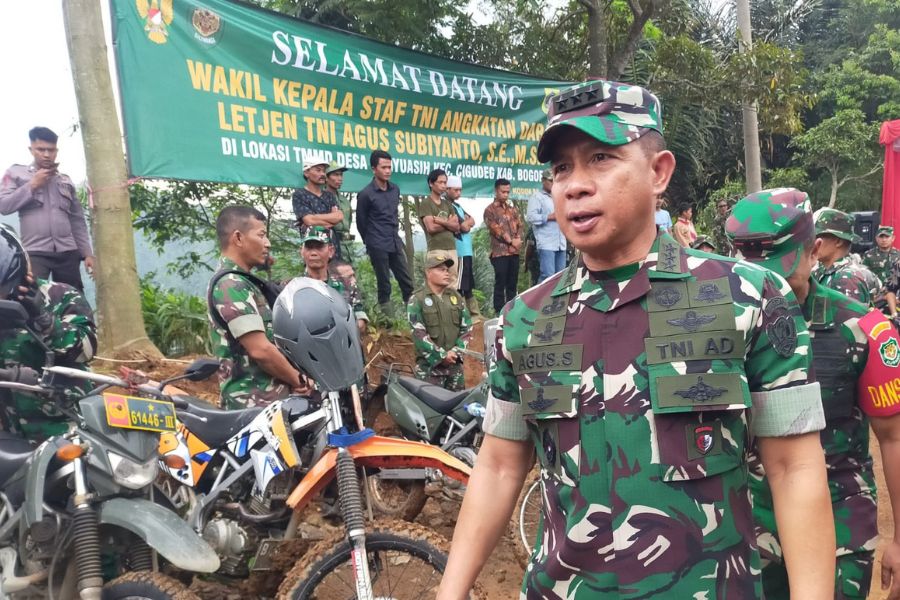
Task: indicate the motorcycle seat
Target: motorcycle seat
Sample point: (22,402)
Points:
(434,396)
(14,452)
(213,425)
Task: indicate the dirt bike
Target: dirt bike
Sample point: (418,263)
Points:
(322,439)
(429,413)
(78,511)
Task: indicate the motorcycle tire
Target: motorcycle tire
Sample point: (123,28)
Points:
(146,585)
(417,554)
(526,518)
(397,498)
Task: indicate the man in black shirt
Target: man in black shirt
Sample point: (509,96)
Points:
(313,204)
(377,221)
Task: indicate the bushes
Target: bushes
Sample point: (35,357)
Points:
(175,322)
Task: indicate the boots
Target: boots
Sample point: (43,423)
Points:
(472,305)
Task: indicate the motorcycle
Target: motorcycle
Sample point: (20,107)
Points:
(431,414)
(82,505)
(241,461)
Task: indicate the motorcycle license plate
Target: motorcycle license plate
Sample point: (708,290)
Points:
(129,412)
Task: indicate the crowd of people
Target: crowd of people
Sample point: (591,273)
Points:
(699,406)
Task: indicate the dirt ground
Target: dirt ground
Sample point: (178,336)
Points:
(502,575)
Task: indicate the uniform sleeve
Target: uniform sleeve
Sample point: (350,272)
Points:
(878,386)
(465,327)
(853,286)
(424,345)
(73,336)
(13,196)
(233,300)
(503,417)
(785,401)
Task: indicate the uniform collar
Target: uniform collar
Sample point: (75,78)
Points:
(226,263)
(607,290)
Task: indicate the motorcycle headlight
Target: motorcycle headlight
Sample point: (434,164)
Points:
(131,474)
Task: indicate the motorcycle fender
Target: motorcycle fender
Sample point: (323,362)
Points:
(36,478)
(380,452)
(163,531)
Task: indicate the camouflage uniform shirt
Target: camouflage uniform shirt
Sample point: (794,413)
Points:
(440,323)
(242,382)
(349,291)
(881,264)
(849,278)
(720,240)
(840,353)
(73,340)
(636,386)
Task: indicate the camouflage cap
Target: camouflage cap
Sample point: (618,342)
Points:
(316,233)
(335,167)
(701,241)
(885,230)
(770,228)
(835,222)
(547,174)
(438,259)
(611,112)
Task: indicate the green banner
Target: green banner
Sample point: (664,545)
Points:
(217,90)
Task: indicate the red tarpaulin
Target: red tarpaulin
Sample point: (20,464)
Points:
(890,199)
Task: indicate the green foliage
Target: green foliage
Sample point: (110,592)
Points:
(187,211)
(794,177)
(731,192)
(176,323)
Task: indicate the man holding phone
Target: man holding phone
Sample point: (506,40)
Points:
(51,220)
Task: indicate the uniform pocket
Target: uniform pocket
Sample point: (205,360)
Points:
(700,444)
(700,421)
(431,317)
(551,412)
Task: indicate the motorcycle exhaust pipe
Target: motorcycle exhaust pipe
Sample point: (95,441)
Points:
(254,518)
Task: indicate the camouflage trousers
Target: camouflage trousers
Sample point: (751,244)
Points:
(24,415)
(853,575)
(449,377)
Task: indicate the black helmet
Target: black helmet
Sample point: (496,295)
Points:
(13,263)
(317,332)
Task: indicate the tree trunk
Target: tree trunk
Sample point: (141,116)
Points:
(598,38)
(408,234)
(120,319)
(832,200)
(751,125)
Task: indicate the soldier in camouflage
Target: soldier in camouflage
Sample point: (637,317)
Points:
(252,372)
(855,362)
(61,316)
(720,239)
(837,269)
(640,374)
(880,260)
(317,251)
(441,326)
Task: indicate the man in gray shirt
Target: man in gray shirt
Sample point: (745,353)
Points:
(551,243)
(51,220)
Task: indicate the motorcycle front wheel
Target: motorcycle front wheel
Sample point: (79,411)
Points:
(397,498)
(146,585)
(406,561)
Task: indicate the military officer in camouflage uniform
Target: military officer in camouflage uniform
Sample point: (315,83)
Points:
(253,372)
(774,228)
(837,269)
(441,326)
(63,319)
(639,375)
(880,260)
(317,251)
(720,239)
